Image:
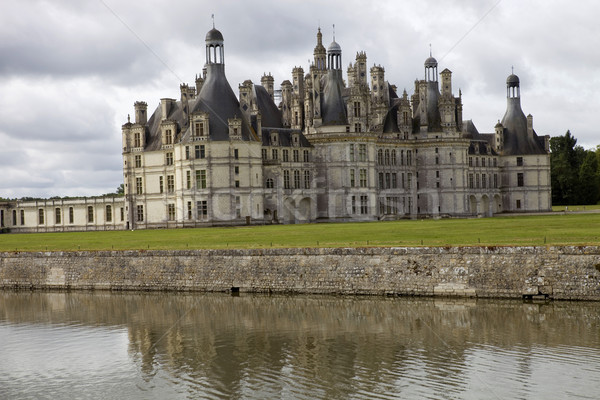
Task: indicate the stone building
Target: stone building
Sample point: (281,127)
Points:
(319,149)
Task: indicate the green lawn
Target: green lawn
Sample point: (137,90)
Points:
(576,208)
(558,229)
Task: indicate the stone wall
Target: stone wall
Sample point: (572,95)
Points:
(538,272)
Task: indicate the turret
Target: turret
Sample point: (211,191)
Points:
(319,52)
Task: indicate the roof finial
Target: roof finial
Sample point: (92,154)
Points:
(213,18)
(334,32)
(512,69)
(128,119)
(430,50)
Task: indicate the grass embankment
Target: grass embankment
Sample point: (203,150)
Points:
(559,229)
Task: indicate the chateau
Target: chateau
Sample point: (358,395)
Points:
(320,148)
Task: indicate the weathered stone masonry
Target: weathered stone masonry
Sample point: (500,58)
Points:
(548,272)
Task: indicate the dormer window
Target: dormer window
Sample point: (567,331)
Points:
(199,128)
(274,139)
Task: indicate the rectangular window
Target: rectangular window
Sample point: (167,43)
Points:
(471,182)
(296,156)
(285,155)
(483,181)
(189,210)
(364,205)
(236,154)
(363,177)
(138,161)
(274,154)
(437,174)
(202,209)
(470,161)
(108,213)
(483,161)
(351,152)
(362,152)
(140,213)
(139,189)
(264,154)
(477,181)
(168,136)
(71,216)
(286,179)
(237,184)
(296,179)
(200,151)
(352,178)
(201,179)
(169,158)
(306,179)
(57,216)
(122,214)
(187,152)
(519,161)
(388,182)
(518,204)
(495,181)
(200,128)
(353,204)
(306,156)
(236,170)
(161,184)
(171,212)
(22,217)
(170,183)
(357,109)
(137,140)
(495,162)
(409,180)
(520,180)
(188,179)
(381,184)
(90,212)
(477,161)
(357,127)
(394,180)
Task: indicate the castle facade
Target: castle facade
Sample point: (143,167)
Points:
(320,148)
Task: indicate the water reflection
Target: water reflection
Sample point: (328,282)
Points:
(218,346)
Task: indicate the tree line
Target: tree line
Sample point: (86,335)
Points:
(575,172)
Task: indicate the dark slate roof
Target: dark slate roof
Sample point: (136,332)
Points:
(214,35)
(270,114)
(516,140)
(469,130)
(512,80)
(431,62)
(390,123)
(284,137)
(217,98)
(333,108)
(153,133)
(434,120)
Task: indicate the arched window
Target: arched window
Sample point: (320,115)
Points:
(380,157)
(393,157)
(387,157)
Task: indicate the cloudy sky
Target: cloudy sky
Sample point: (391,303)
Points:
(70,70)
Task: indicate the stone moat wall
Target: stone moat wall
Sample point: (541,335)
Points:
(539,272)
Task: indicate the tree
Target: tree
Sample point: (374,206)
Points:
(121,190)
(575,172)
(563,169)
(589,182)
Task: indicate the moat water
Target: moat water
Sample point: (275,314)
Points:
(215,346)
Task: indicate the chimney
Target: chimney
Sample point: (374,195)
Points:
(141,112)
(530,126)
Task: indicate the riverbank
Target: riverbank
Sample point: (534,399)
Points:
(553,272)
